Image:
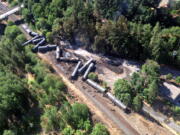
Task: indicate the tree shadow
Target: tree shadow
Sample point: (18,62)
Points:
(148,117)
(19,22)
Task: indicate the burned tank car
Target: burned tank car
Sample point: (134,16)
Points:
(35,41)
(30,41)
(31,33)
(44,49)
(116,101)
(96,86)
(42,42)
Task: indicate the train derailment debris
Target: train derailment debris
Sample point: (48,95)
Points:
(79,69)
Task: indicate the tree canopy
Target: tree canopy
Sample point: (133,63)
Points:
(31,96)
(142,86)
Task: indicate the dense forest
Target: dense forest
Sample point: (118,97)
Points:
(33,99)
(135,29)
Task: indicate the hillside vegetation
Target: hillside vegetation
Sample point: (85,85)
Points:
(33,99)
(136,29)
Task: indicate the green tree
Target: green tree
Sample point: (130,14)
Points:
(52,81)
(27,15)
(77,115)
(99,129)
(68,131)
(79,132)
(137,83)
(80,113)
(137,103)
(107,8)
(178,79)
(49,37)
(12,31)
(122,91)
(176,110)
(87,126)
(50,119)
(142,34)
(9,132)
(121,86)
(169,76)
(151,92)
(37,11)
(155,42)
(14,101)
(42,24)
(151,68)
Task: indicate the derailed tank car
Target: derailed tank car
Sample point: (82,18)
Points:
(30,41)
(42,42)
(90,67)
(85,65)
(44,49)
(96,86)
(74,73)
(116,101)
(59,53)
(35,41)
(31,33)
(26,28)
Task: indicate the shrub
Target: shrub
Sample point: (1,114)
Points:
(68,131)
(99,129)
(169,76)
(176,110)
(50,119)
(93,76)
(8,132)
(49,37)
(178,79)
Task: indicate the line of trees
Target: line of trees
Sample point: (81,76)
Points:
(136,29)
(32,98)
